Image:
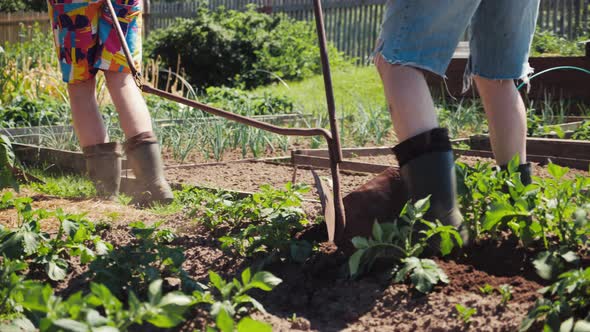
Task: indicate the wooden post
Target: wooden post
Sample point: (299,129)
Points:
(146,17)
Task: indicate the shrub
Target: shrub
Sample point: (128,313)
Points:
(242,102)
(23,111)
(546,42)
(244,49)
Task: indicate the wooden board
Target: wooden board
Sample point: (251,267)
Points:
(63,160)
(351,166)
(550,147)
(557,84)
(581,164)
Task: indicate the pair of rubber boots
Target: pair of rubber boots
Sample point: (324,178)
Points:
(103,163)
(426,167)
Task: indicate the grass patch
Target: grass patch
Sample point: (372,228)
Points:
(164,210)
(62,185)
(353,86)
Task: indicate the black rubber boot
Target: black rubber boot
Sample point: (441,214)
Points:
(427,167)
(143,154)
(525,171)
(103,164)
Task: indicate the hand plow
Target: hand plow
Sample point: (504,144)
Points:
(332,201)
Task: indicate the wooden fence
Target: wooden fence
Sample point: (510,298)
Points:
(352,25)
(10,25)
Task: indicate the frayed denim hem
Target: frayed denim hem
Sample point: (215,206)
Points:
(469,73)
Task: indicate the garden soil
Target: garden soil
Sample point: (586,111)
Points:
(249,176)
(317,295)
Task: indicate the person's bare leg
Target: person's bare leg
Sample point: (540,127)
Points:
(506,115)
(88,123)
(129,103)
(410,103)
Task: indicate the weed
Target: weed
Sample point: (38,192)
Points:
(124,199)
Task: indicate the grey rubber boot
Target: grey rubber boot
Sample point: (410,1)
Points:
(144,156)
(103,164)
(427,167)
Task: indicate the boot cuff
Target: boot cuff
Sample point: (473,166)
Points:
(147,137)
(435,140)
(103,149)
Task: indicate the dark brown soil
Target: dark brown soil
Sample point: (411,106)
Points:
(317,295)
(249,176)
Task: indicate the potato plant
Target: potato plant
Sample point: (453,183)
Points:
(263,223)
(565,305)
(403,241)
(75,237)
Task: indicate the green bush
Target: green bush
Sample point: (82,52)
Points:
(238,49)
(547,43)
(242,102)
(28,112)
(10,6)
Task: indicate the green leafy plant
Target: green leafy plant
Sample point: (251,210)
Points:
(403,241)
(582,132)
(506,293)
(228,299)
(261,223)
(465,313)
(75,238)
(10,283)
(423,273)
(551,263)
(564,306)
(148,257)
(478,186)
(244,49)
(64,185)
(7,163)
(487,289)
(101,310)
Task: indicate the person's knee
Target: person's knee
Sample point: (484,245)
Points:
(492,83)
(82,86)
(113,77)
(387,69)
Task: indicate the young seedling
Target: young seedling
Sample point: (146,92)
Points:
(506,293)
(487,289)
(465,313)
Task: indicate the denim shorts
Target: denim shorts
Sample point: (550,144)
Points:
(424,34)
